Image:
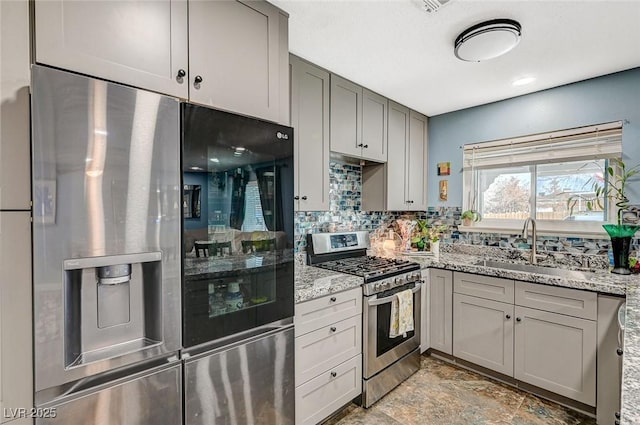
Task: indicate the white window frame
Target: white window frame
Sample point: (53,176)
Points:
(544,227)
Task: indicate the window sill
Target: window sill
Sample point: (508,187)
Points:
(541,231)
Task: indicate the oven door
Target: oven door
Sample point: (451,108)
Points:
(380,350)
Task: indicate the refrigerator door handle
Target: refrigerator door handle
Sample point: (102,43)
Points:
(224,344)
(93,384)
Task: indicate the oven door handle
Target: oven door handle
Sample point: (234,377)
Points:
(385,300)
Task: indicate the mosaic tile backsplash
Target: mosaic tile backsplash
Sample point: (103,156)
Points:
(345,215)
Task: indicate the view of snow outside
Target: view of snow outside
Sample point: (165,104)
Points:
(505,193)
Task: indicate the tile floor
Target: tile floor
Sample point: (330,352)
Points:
(442,394)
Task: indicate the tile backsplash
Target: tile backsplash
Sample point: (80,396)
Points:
(345,214)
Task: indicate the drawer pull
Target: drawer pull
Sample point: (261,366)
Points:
(333,299)
(518,319)
(333,374)
(619,351)
(508,316)
(333,329)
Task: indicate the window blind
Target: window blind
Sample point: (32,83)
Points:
(584,143)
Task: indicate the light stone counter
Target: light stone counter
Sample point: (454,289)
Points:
(313,282)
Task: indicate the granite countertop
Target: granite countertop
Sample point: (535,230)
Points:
(313,282)
(232,264)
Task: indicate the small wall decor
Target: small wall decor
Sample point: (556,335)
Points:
(444,189)
(444,168)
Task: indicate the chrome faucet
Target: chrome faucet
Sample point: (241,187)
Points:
(534,236)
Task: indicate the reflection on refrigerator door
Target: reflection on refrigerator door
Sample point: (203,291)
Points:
(250,382)
(153,398)
(106,263)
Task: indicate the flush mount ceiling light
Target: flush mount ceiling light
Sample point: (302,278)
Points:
(487,40)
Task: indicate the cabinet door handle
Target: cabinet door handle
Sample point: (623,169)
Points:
(197,81)
(518,319)
(181,74)
(360,145)
(617,415)
(619,351)
(332,299)
(333,329)
(508,316)
(616,422)
(295,198)
(366,146)
(333,374)
(304,198)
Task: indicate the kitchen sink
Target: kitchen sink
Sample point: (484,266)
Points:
(574,274)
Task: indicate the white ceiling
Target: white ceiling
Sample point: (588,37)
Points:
(397,49)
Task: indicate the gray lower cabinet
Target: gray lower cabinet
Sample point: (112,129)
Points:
(609,379)
(310,121)
(542,335)
(440,307)
(16,367)
(483,332)
(328,361)
(557,353)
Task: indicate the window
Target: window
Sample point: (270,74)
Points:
(253,217)
(510,180)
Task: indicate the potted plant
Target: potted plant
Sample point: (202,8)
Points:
(427,236)
(469,217)
(613,189)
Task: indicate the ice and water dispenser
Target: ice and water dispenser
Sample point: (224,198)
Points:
(112,305)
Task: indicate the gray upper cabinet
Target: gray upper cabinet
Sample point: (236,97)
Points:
(374,126)
(557,353)
(231,55)
(406,171)
(358,121)
(417,162)
(397,157)
(310,120)
(346,117)
(137,42)
(239,58)
(15,143)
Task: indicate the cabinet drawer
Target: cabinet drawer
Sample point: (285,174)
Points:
(491,288)
(320,350)
(323,395)
(572,302)
(321,312)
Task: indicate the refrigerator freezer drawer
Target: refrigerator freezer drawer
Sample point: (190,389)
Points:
(251,383)
(150,399)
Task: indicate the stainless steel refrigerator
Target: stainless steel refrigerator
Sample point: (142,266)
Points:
(106,252)
(238,285)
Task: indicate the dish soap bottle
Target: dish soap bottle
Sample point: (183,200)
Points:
(234,297)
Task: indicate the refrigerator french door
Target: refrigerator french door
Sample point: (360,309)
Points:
(106,251)
(238,277)
(237,175)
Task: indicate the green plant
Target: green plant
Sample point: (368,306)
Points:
(472,215)
(425,232)
(612,188)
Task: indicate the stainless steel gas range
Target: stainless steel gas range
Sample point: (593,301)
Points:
(387,361)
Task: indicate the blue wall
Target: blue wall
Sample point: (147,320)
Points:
(614,97)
